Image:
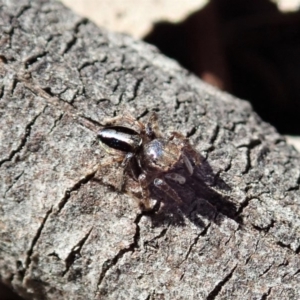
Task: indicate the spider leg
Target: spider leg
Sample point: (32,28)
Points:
(163,186)
(103,171)
(144,183)
(151,127)
(193,155)
(127,159)
(189,154)
(187,164)
(125,118)
(176,178)
(108,162)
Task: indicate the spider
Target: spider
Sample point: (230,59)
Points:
(149,158)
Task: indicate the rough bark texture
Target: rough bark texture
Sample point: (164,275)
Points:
(66,235)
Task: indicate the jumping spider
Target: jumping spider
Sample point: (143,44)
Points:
(147,156)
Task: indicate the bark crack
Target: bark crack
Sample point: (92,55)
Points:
(215,134)
(250,256)
(22,10)
(136,89)
(23,141)
(194,243)
(35,239)
(160,235)
(75,187)
(214,293)
(108,264)
(56,121)
(73,41)
(266,295)
(75,252)
(267,270)
(33,58)
(15,181)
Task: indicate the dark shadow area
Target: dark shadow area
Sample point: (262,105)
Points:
(249,49)
(7,294)
(203,195)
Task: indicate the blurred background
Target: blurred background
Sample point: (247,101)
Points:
(250,49)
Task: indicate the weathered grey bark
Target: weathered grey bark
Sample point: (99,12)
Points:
(65,235)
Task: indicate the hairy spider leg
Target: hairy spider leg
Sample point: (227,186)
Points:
(127,159)
(121,119)
(187,151)
(187,164)
(176,177)
(145,192)
(163,186)
(152,128)
(192,155)
(108,162)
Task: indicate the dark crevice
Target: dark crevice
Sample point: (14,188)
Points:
(75,252)
(151,243)
(56,121)
(23,141)
(48,91)
(249,147)
(112,262)
(248,163)
(265,229)
(214,293)
(70,44)
(162,234)
(243,206)
(226,169)
(1,91)
(54,254)
(266,271)
(215,134)
(298,180)
(14,182)
(148,297)
(13,86)
(297,272)
(75,187)
(265,295)
(35,239)
(295,188)
(3,59)
(283,245)
(115,87)
(203,233)
(87,64)
(136,89)
(34,58)
(143,114)
(73,41)
(177,106)
(252,144)
(191,132)
(21,12)
(250,256)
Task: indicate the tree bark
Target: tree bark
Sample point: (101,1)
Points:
(66,234)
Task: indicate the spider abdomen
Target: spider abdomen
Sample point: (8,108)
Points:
(120,138)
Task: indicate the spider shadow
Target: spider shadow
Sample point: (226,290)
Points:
(205,197)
